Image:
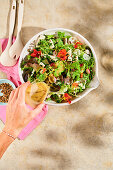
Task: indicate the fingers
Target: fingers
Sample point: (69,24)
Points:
(11,96)
(15,95)
(21,93)
(37,110)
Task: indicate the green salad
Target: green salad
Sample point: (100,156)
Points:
(61,61)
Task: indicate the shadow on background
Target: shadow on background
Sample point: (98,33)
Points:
(107,60)
(61,159)
(109,98)
(91,129)
(53,136)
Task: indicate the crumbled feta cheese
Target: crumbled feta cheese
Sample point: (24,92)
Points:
(42,64)
(87,51)
(86,57)
(77,81)
(44,55)
(69,55)
(81,85)
(52,44)
(53,57)
(69,58)
(76,57)
(32,72)
(42,37)
(72,40)
(54,53)
(77,52)
(69,52)
(65,41)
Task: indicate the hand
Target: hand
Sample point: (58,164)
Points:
(17,114)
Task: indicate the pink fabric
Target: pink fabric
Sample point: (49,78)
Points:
(12,74)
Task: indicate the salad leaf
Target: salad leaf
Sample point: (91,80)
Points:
(41,77)
(60,68)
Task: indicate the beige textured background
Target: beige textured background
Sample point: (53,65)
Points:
(79,136)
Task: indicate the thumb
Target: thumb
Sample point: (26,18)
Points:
(37,110)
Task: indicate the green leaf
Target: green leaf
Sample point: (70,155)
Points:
(41,77)
(48,37)
(63,89)
(75,65)
(75,74)
(31,79)
(28,57)
(27,68)
(60,69)
(68,73)
(60,42)
(48,99)
(56,98)
(61,34)
(22,64)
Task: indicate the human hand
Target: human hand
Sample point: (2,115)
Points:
(17,114)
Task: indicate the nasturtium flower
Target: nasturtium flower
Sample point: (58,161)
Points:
(62,54)
(75,85)
(81,75)
(36,53)
(44,70)
(67,98)
(76,44)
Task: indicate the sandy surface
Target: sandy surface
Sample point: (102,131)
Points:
(79,136)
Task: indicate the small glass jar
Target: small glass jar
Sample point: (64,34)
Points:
(36,93)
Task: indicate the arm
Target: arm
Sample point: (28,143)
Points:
(5,141)
(17,117)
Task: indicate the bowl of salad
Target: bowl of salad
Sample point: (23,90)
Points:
(64,60)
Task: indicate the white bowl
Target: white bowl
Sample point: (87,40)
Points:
(94,82)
